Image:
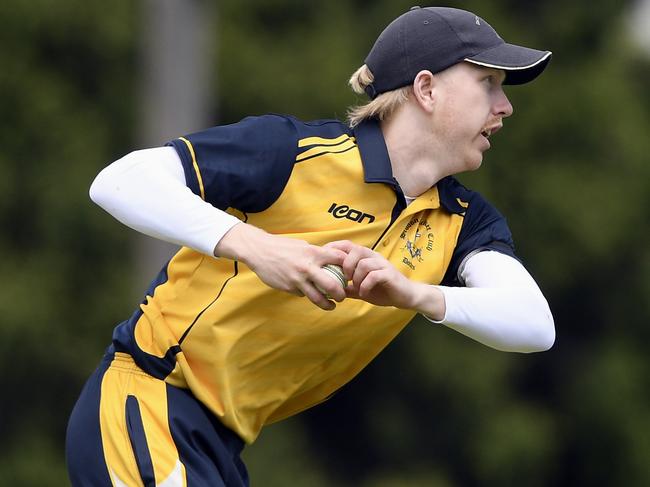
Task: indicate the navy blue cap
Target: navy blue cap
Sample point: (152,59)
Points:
(436,38)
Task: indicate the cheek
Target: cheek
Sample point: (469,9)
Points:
(461,118)
(450,114)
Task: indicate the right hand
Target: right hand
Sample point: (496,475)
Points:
(286,264)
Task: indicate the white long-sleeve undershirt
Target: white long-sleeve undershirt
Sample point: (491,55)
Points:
(501,305)
(146,190)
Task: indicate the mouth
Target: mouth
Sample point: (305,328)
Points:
(488,131)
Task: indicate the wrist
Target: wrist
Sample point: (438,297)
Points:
(238,242)
(429,300)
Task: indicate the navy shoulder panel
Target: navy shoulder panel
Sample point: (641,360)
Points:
(484,228)
(326,129)
(321,137)
(245,165)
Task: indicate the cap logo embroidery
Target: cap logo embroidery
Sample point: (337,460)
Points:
(478,22)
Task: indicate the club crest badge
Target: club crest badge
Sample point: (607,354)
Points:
(416,243)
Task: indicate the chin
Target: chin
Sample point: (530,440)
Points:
(474,163)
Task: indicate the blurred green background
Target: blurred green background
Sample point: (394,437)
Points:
(570,171)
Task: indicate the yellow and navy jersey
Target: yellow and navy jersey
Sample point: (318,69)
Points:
(254,355)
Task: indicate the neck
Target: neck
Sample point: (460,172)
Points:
(411,151)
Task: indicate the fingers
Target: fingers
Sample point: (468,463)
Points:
(320,287)
(369,286)
(311,292)
(359,260)
(330,255)
(295,266)
(364,267)
(343,245)
(317,284)
(371,280)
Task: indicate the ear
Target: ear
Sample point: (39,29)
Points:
(424,89)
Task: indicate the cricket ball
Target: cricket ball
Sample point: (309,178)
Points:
(336,271)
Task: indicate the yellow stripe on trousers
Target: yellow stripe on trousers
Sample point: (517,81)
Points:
(122,379)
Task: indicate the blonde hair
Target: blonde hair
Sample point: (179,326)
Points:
(382,106)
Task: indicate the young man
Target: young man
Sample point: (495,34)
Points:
(237,331)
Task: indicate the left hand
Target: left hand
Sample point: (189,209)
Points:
(374,279)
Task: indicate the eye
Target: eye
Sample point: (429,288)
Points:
(493,80)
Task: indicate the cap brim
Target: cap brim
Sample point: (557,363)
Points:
(521,64)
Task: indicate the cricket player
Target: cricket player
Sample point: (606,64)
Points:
(243,326)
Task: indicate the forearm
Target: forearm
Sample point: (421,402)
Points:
(507,319)
(242,243)
(501,307)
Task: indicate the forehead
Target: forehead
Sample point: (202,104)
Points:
(475,70)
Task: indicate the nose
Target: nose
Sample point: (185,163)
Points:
(502,105)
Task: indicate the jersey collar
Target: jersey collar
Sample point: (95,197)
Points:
(374,154)
(377,169)
(450,193)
